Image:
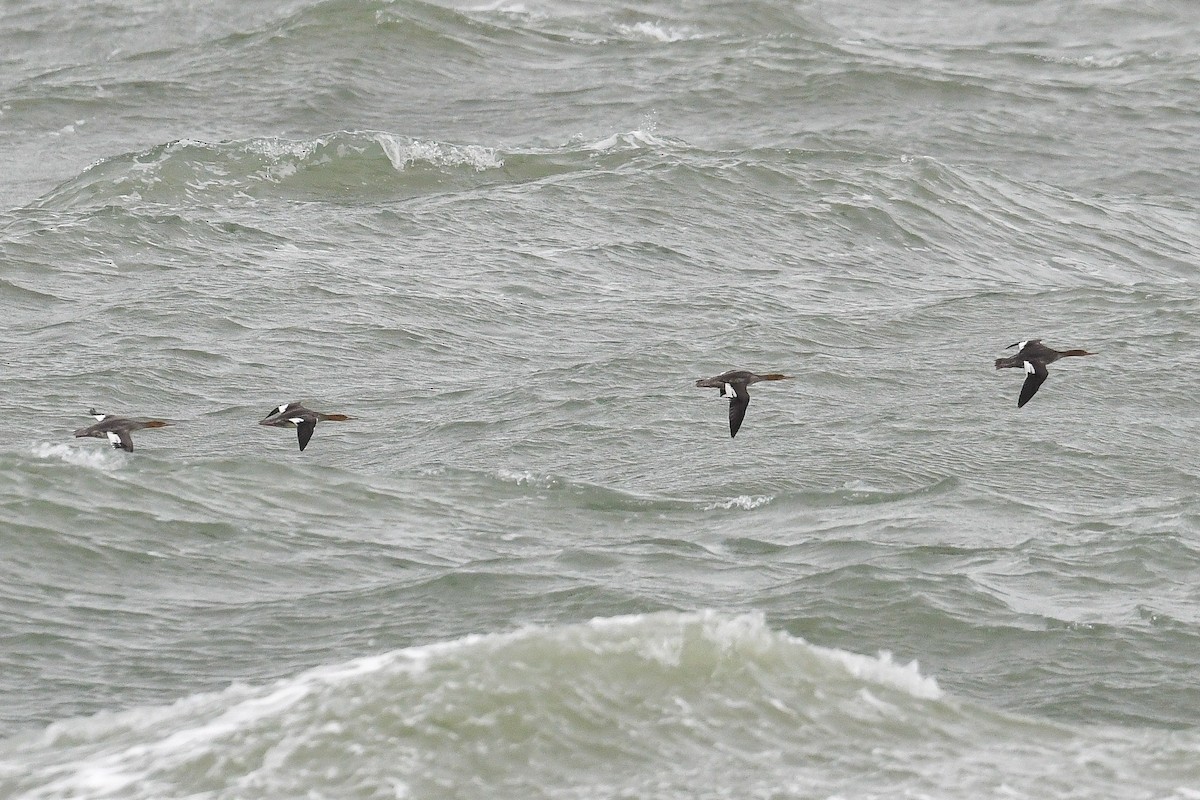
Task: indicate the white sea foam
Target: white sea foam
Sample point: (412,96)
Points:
(658,32)
(276,149)
(1091,62)
(746,501)
(882,669)
(404,153)
(527,478)
(104,458)
(511,9)
(633,140)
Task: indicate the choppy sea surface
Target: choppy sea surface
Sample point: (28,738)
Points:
(507,238)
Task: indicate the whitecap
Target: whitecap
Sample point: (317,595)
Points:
(1088,62)
(527,478)
(883,670)
(104,458)
(508,8)
(632,140)
(405,153)
(746,501)
(656,31)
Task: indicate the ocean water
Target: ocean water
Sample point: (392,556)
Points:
(507,238)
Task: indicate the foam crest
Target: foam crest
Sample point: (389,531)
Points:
(529,478)
(745,502)
(503,7)
(1088,62)
(883,670)
(633,140)
(405,153)
(658,32)
(747,637)
(103,458)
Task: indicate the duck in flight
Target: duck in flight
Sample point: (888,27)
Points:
(304,420)
(1033,356)
(733,385)
(117,429)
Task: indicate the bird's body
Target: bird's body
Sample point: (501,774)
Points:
(1033,356)
(304,420)
(117,429)
(733,385)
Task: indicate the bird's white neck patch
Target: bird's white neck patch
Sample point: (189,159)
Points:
(282,408)
(1021,345)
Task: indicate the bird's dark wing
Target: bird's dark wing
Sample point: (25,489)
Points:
(737,411)
(304,431)
(126,442)
(1033,381)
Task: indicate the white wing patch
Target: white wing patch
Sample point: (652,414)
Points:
(1029,368)
(114,438)
(729,391)
(296,420)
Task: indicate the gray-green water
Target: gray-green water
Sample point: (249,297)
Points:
(507,238)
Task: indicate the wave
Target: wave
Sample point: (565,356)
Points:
(339,167)
(495,28)
(914,202)
(328,166)
(586,495)
(671,704)
(945,211)
(586,685)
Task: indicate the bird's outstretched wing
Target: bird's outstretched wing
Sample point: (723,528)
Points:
(738,402)
(1036,375)
(304,431)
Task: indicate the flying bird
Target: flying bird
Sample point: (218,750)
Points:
(117,429)
(733,385)
(304,420)
(1033,356)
